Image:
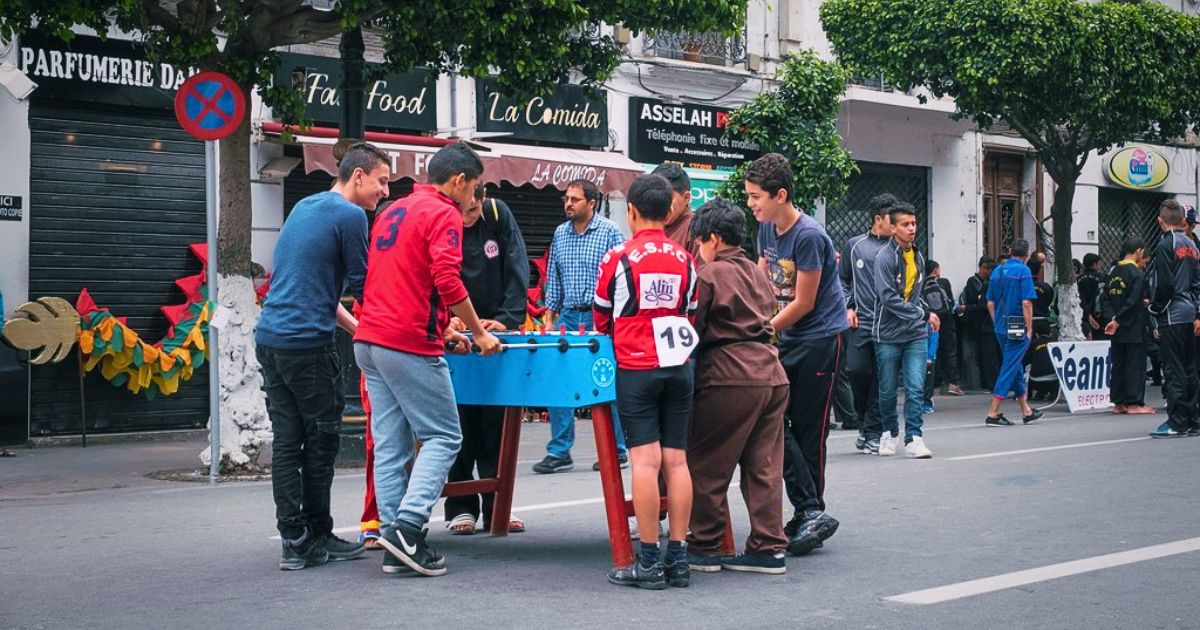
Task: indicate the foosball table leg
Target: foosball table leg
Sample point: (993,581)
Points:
(614,489)
(506,471)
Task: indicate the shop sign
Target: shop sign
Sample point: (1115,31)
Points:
(691,135)
(395,101)
(568,116)
(1084,370)
(94,70)
(10,208)
(1138,167)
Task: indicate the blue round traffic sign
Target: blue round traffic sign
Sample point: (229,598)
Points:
(210,106)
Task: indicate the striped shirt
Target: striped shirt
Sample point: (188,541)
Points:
(575,260)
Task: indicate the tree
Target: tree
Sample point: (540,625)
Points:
(798,119)
(530,44)
(1071,77)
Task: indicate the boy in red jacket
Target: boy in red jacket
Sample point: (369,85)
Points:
(645,298)
(414,282)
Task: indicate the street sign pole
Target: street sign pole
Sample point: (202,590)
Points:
(214,373)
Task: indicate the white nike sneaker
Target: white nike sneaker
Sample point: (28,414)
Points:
(887,445)
(916,449)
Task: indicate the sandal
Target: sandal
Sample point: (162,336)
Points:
(515,525)
(461,525)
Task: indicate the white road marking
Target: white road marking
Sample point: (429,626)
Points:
(528,508)
(1045,449)
(1041,574)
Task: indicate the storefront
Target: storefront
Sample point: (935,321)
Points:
(1129,207)
(116,198)
(692,136)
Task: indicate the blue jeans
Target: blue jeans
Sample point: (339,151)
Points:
(411,399)
(891,360)
(1012,366)
(562,419)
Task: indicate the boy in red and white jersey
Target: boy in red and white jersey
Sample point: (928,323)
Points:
(645,299)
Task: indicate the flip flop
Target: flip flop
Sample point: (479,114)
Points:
(461,525)
(515,525)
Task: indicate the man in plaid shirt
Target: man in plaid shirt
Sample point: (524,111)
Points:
(575,253)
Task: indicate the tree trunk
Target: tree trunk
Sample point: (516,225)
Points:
(1070,313)
(245,425)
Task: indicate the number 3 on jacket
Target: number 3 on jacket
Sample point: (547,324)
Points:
(674,340)
(390,228)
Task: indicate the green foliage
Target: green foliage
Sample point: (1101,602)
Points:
(531,45)
(1070,76)
(799,120)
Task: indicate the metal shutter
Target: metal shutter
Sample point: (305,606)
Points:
(538,211)
(117,195)
(1126,213)
(908,183)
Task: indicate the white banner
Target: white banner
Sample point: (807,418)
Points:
(1084,371)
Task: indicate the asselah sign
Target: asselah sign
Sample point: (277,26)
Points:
(567,116)
(1138,167)
(89,69)
(691,135)
(396,101)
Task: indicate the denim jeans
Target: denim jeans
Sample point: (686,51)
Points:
(893,359)
(562,419)
(411,399)
(305,402)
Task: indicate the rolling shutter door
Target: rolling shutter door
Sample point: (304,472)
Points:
(117,195)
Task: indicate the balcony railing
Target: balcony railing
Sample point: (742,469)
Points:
(710,48)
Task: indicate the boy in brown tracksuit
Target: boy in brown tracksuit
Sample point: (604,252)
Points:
(741,395)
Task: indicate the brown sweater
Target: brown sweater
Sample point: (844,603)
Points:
(734,322)
(678,230)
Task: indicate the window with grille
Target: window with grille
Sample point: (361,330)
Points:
(1126,213)
(908,183)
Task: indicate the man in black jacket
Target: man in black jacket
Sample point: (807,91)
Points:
(1123,308)
(973,305)
(495,270)
(1174,294)
(1090,283)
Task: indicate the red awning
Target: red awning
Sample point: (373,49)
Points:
(512,163)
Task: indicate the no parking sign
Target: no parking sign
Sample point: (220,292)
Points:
(210,106)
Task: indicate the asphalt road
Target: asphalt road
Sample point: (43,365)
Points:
(89,542)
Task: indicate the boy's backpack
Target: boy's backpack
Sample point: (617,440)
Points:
(935,298)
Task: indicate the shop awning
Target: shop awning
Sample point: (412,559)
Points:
(512,163)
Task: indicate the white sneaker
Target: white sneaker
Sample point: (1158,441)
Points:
(887,445)
(916,449)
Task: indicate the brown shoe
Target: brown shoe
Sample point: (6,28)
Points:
(955,390)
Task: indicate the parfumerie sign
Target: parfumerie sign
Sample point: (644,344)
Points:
(568,116)
(10,208)
(396,101)
(691,135)
(89,69)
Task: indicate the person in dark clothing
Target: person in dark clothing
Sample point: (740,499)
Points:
(1174,297)
(938,298)
(1123,310)
(798,256)
(1042,303)
(1090,283)
(857,272)
(679,221)
(973,306)
(495,270)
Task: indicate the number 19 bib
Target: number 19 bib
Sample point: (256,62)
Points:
(674,340)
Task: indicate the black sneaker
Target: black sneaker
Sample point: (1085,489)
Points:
(861,443)
(635,574)
(769,563)
(392,565)
(305,552)
(342,549)
(872,446)
(622,460)
(997,421)
(678,575)
(408,545)
(552,464)
(703,563)
(815,528)
(1033,417)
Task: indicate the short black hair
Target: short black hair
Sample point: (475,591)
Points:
(901,207)
(880,204)
(771,172)
(987,261)
(591,192)
(1035,266)
(1090,260)
(1131,245)
(1020,248)
(362,155)
(675,175)
(930,265)
(1171,212)
(454,159)
(651,195)
(721,218)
